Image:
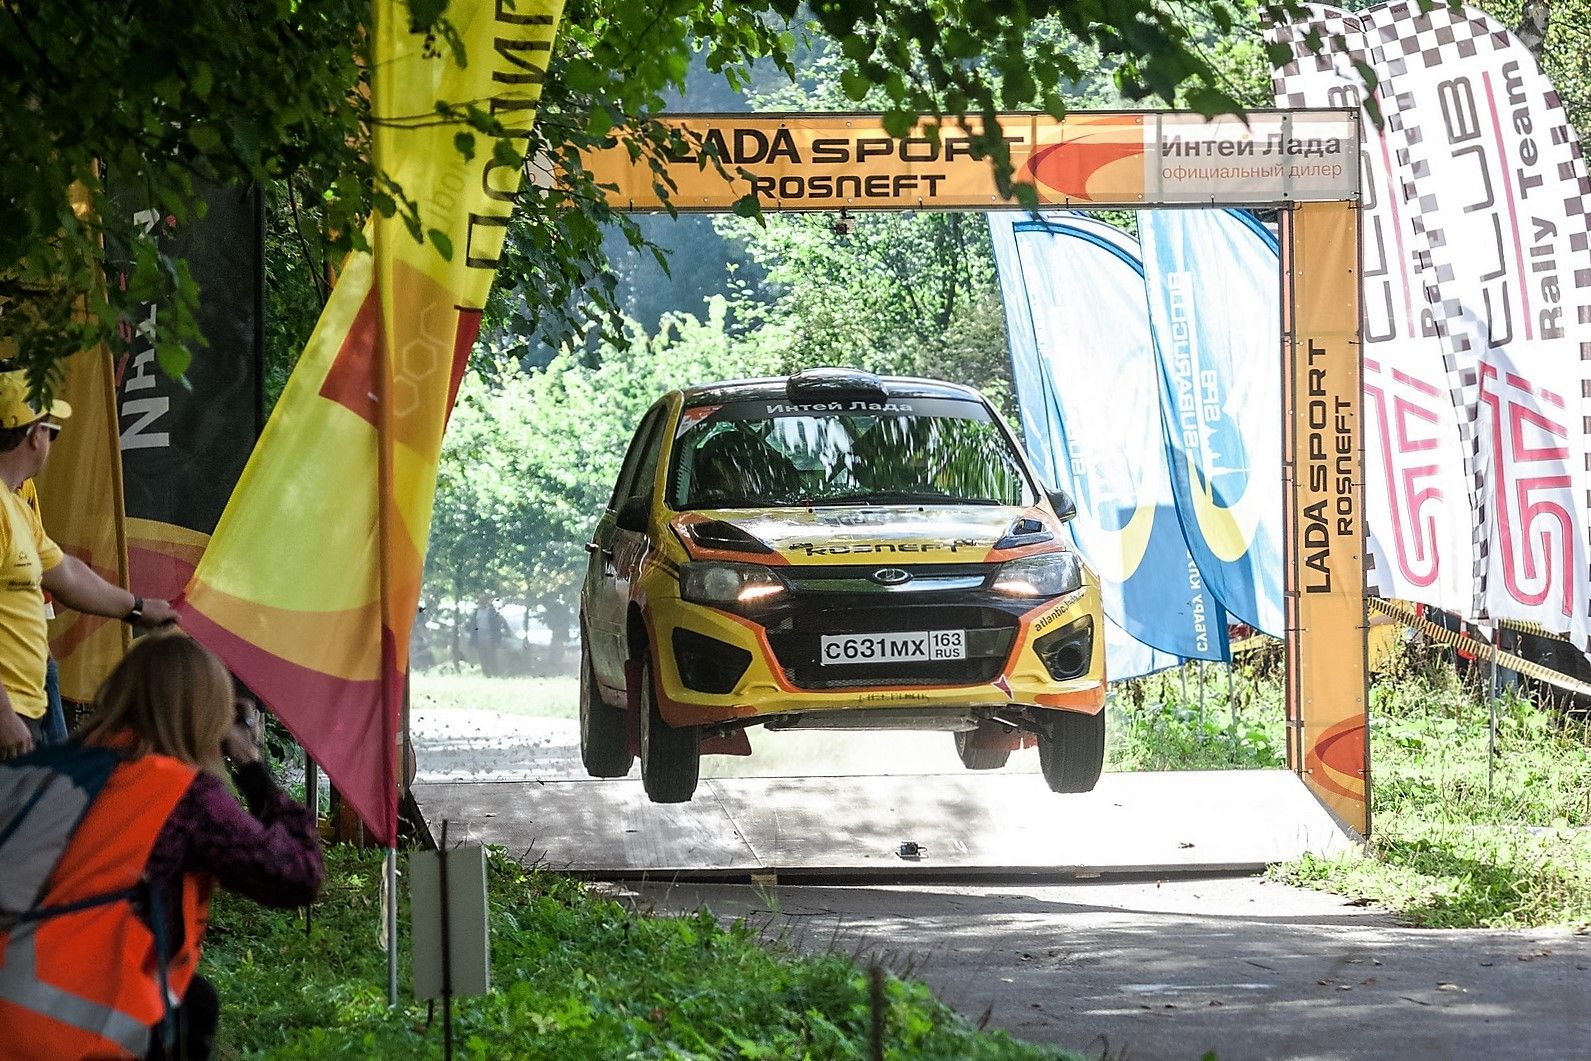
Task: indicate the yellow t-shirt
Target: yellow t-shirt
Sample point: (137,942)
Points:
(26,552)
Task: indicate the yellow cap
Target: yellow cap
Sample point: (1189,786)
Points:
(16,410)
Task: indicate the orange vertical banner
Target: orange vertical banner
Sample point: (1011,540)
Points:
(1327,691)
(80,492)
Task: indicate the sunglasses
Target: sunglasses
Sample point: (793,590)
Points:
(53,429)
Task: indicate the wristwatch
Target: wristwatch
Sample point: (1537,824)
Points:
(136,612)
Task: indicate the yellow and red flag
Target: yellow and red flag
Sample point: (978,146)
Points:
(312,578)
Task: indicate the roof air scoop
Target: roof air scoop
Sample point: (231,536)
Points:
(1025,531)
(834,382)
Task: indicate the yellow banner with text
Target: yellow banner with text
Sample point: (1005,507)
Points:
(1097,159)
(1326,620)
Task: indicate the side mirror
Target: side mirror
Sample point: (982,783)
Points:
(635,514)
(1065,507)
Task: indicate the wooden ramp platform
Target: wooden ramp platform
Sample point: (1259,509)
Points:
(964,824)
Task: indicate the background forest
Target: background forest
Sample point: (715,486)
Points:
(547,409)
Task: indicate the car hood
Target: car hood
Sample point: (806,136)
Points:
(853,534)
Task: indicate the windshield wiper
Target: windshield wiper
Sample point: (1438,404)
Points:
(889,497)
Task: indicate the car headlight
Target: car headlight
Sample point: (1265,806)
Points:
(1049,575)
(719,584)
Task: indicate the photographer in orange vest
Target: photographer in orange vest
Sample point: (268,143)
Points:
(112,845)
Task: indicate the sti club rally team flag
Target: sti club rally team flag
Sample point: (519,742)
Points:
(1477,334)
(312,578)
(1083,363)
(1499,186)
(1417,496)
(1213,281)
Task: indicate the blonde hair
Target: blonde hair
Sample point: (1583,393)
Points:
(169,696)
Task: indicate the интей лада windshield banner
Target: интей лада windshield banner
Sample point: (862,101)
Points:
(1083,364)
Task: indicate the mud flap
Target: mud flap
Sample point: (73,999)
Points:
(994,737)
(736,743)
(632,703)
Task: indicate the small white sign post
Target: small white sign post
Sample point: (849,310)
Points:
(451,940)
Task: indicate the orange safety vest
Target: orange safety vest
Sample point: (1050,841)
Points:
(83,978)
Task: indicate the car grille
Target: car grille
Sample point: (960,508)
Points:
(795,640)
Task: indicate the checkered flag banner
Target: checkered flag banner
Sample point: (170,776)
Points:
(1492,172)
(1418,504)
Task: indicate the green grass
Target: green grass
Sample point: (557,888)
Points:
(574,976)
(538,697)
(1159,723)
(1445,851)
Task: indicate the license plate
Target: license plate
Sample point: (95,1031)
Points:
(918,646)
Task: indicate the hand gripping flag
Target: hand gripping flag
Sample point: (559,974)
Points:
(312,578)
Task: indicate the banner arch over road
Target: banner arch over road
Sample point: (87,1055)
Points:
(1302,163)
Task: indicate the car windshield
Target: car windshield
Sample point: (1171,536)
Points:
(844,452)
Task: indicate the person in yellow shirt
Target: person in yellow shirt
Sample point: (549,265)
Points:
(31,563)
(54,712)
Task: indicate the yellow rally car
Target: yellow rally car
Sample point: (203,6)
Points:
(835,550)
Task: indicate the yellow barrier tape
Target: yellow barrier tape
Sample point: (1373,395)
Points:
(1529,668)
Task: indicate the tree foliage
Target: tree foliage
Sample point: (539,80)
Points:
(530,457)
(163,94)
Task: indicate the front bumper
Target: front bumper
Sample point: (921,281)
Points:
(714,665)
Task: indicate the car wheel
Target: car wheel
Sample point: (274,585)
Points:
(671,756)
(979,752)
(1072,750)
(604,732)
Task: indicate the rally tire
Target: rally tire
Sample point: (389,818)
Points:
(976,755)
(671,756)
(1072,750)
(604,730)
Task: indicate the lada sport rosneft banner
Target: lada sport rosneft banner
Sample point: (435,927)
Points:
(827,161)
(1489,173)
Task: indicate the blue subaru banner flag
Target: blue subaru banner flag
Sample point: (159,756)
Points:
(1083,364)
(1126,657)
(1213,278)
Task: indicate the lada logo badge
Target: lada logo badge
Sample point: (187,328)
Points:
(891,576)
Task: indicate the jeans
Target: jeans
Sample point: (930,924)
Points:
(54,714)
(197,1018)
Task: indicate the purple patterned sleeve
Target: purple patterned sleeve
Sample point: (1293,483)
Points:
(271,856)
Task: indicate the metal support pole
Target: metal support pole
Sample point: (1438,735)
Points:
(1491,736)
(1201,701)
(392,926)
(1231,705)
(447,947)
